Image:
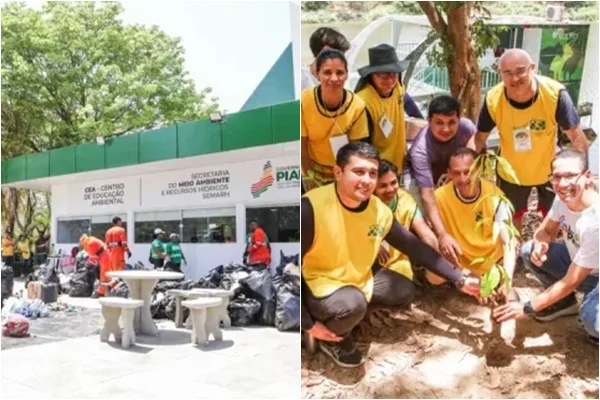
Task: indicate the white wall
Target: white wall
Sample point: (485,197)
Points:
(590,84)
(532,42)
(230,186)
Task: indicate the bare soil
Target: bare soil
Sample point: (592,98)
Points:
(446,346)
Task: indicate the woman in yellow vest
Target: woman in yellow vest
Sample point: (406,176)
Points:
(386,101)
(23,247)
(331,117)
(8,249)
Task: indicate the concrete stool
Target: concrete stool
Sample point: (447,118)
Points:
(224,295)
(179,294)
(205,319)
(112,309)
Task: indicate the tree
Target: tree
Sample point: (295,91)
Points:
(464,37)
(74,71)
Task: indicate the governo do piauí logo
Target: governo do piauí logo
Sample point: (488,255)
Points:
(264,182)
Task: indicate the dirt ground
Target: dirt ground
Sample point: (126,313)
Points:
(447,347)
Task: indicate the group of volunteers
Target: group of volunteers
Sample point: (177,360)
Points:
(372,208)
(22,248)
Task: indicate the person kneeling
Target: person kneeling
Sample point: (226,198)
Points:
(342,228)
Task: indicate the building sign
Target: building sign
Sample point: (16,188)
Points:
(562,56)
(206,185)
(104,194)
(280,177)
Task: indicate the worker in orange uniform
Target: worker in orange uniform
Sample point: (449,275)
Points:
(259,249)
(96,248)
(116,241)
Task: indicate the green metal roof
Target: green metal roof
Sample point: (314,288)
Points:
(278,84)
(258,127)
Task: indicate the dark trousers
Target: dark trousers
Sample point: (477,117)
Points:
(157,263)
(172,266)
(8,260)
(342,310)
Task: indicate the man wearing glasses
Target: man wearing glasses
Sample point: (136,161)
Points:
(565,267)
(527,109)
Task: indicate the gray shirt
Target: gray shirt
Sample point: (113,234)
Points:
(428,158)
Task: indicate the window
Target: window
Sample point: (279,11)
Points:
(147,222)
(281,224)
(101,223)
(69,230)
(211,225)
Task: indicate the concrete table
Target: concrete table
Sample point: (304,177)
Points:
(140,285)
(224,295)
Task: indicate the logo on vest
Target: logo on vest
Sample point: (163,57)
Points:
(537,125)
(375,231)
(479,216)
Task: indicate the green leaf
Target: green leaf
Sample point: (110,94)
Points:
(489,282)
(508,171)
(504,275)
(479,260)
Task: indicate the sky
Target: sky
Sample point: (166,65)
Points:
(229,45)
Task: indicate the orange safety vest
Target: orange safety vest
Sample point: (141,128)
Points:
(94,247)
(116,241)
(258,248)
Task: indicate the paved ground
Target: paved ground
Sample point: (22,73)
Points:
(254,362)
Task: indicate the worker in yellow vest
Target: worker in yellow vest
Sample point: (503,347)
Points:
(8,249)
(386,101)
(527,109)
(331,117)
(468,210)
(408,214)
(343,228)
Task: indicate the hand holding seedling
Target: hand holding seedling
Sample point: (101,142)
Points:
(538,255)
(471,286)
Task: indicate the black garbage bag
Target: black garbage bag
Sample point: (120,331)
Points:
(259,286)
(120,290)
(287,288)
(82,283)
(7,282)
(243,310)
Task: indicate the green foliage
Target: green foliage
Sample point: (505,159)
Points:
(490,281)
(314,5)
(73,71)
(483,36)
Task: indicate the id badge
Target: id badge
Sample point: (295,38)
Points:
(337,142)
(522,138)
(386,125)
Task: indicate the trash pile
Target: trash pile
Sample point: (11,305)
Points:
(259,296)
(27,308)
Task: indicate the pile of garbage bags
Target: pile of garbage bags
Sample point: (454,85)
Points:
(7,282)
(260,296)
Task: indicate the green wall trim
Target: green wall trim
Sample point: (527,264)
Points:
(258,127)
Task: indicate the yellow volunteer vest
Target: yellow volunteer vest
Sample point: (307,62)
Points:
(8,247)
(404,214)
(24,249)
(461,218)
(532,167)
(321,126)
(393,145)
(345,243)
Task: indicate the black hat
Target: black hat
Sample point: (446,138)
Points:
(383,58)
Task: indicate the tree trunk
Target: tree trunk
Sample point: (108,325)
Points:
(463,69)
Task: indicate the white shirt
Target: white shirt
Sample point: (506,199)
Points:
(582,232)
(308,79)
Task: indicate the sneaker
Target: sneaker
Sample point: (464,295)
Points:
(558,310)
(344,354)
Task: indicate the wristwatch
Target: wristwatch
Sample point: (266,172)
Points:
(527,308)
